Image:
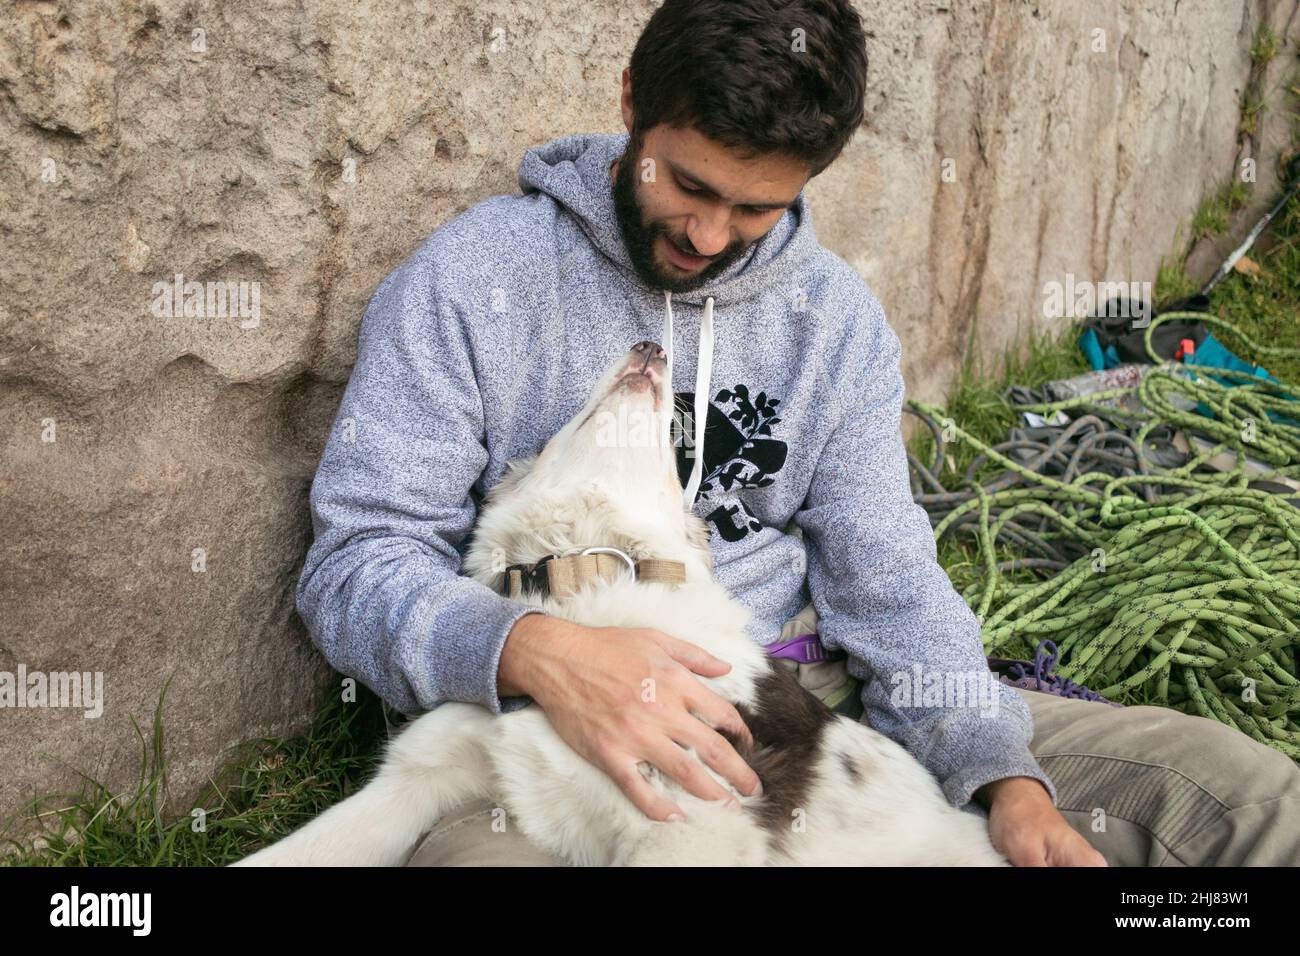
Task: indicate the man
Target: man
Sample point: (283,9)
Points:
(694,230)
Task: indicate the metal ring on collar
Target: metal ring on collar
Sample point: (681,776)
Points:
(631,565)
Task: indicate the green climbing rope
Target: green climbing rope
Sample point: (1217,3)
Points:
(1177,586)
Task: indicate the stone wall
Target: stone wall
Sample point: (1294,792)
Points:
(309,146)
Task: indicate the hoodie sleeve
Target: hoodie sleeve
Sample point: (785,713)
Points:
(882,596)
(381,591)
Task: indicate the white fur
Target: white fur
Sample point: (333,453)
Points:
(580,491)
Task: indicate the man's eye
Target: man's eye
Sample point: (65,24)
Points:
(684,187)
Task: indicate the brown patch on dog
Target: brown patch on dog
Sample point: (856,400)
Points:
(787,725)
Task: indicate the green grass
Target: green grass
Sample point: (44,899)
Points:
(1173,282)
(269,787)
(1265,47)
(1215,212)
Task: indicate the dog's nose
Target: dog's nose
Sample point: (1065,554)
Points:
(650,348)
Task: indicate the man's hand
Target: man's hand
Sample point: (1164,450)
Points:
(621,696)
(1029,831)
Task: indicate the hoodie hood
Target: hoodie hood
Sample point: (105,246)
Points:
(574,171)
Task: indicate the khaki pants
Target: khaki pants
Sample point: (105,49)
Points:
(1147,786)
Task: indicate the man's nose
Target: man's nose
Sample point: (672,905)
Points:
(709,237)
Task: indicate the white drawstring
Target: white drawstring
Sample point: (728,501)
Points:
(703,373)
(666,340)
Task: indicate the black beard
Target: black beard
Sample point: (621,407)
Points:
(640,238)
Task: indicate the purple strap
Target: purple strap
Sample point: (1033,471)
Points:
(805,649)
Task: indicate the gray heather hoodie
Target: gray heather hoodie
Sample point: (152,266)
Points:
(489,337)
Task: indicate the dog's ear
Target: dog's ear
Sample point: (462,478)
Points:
(516,471)
(697,534)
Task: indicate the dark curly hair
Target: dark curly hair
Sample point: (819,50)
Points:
(741,73)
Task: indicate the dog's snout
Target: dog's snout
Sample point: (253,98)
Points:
(650,349)
(643,362)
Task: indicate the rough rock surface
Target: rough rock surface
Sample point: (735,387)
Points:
(309,146)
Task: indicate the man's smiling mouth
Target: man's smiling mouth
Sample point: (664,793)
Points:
(684,260)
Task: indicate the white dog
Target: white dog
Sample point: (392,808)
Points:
(834,790)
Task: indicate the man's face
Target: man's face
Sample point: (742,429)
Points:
(689,207)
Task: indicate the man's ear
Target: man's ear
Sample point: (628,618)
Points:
(625,99)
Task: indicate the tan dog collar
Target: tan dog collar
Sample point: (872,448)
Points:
(560,576)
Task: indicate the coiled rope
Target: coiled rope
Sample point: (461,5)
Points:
(1177,586)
